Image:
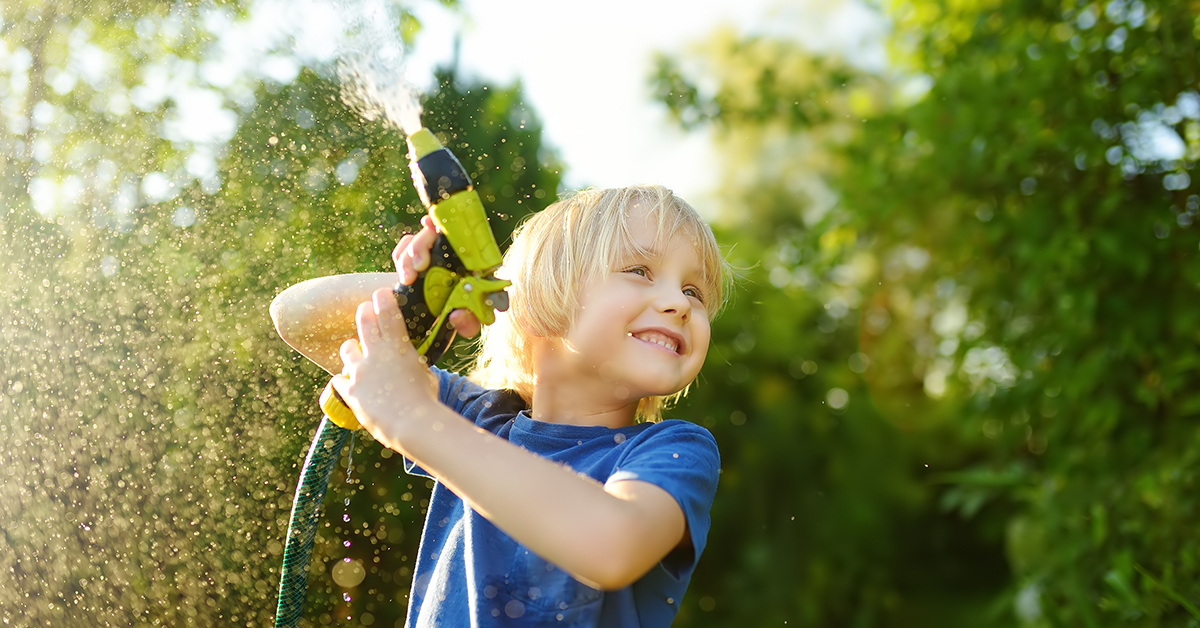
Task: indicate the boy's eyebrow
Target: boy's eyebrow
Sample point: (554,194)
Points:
(629,254)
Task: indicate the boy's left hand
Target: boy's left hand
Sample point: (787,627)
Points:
(411,257)
(384,380)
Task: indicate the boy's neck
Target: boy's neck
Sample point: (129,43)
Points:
(561,396)
(567,408)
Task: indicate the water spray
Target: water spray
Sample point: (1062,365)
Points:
(460,276)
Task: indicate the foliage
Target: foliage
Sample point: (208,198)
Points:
(152,422)
(958,385)
(1065,226)
(827,512)
(1027,226)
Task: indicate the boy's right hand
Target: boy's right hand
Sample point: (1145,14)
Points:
(411,256)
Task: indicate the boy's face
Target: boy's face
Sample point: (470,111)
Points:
(643,326)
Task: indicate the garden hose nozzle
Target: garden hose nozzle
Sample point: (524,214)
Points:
(463,258)
(461,262)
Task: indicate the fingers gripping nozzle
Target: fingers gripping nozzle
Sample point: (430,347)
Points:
(463,258)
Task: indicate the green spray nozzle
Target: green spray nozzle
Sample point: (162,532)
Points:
(462,260)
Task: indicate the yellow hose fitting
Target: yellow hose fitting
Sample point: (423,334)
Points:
(337,410)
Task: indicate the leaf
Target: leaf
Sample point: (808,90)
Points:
(1171,593)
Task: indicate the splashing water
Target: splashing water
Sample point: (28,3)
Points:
(346,515)
(150,418)
(371,67)
(349,480)
(350,463)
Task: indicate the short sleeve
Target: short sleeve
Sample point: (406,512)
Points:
(486,408)
(456,391)
(682,459)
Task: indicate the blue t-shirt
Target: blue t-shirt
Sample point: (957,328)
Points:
(469,573)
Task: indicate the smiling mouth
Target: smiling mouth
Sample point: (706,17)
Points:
(656,338)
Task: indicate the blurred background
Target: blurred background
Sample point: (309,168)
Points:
(958,383)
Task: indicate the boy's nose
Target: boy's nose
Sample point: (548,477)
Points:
(673,301)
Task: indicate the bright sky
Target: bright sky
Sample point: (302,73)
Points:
(585,68)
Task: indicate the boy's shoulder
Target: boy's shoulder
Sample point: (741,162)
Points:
(678,429)
(672,443)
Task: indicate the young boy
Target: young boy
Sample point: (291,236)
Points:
(562,500)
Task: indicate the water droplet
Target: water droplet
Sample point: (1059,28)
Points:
(348,573)
(514,609)
(837,398)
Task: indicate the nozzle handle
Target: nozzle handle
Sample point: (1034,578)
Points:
(423,302)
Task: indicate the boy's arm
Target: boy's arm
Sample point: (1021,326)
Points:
(606,536)
(316,316)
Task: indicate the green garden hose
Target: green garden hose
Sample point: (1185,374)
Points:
(302,528)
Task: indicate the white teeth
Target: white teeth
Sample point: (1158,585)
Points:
(665,343)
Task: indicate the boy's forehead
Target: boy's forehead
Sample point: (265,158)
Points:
(642,221)
(646,226)
(654,235)
(678,245)
(643,238)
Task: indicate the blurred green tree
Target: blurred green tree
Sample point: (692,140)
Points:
(1028,225)
(826,513)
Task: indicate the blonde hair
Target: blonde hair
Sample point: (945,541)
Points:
(570,243)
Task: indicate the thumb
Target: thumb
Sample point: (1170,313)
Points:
(339,384)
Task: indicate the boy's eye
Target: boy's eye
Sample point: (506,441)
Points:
(638,270)
(694,293)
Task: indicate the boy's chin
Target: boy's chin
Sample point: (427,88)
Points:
(646,389)
(633,384)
